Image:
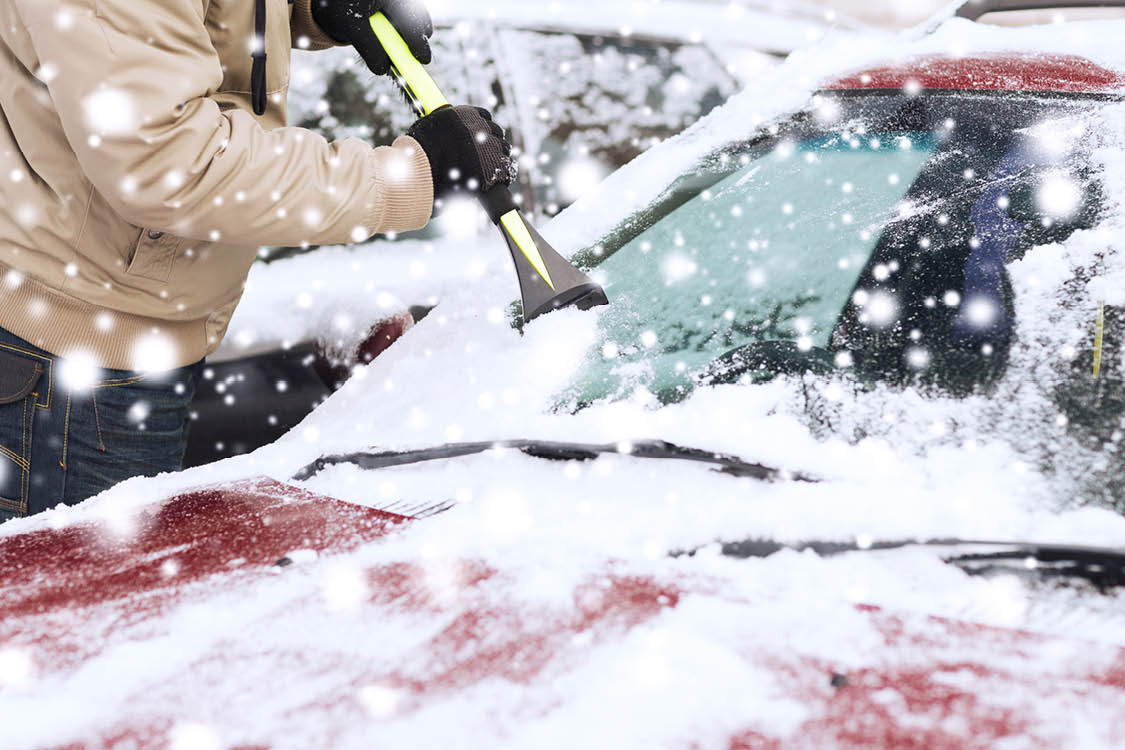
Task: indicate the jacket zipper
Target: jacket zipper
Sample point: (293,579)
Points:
(258,82)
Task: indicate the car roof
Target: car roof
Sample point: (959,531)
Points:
(1038,73)
(756,25)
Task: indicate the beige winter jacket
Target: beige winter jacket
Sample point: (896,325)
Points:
(136,184)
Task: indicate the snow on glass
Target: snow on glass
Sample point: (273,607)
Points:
(770,251)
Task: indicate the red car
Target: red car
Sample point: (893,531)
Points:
(569,593)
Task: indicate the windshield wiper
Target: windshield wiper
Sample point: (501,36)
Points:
(556,451)
(1104,567)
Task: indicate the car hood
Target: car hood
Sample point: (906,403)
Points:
(256,614)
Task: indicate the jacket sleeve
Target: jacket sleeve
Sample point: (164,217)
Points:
(306,33)
(132,81)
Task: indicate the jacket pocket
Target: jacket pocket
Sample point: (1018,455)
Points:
(19,381)
(153,255)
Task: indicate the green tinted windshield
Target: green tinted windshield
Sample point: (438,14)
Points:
(767,253)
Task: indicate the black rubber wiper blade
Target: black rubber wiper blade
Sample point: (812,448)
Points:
(556,451)
(1102,566)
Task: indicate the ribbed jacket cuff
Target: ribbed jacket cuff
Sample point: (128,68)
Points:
(62,325)
(403,195)
(303,24)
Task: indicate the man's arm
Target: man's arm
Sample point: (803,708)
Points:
(132,84)
(306,33)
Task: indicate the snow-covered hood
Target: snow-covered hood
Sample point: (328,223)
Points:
(211,623)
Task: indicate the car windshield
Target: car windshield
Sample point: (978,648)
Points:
(839,240)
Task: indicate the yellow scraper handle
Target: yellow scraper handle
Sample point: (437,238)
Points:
(547,281)
(415,80)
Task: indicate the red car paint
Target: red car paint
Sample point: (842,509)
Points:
(923,682)
(143,569)
(200,534)
(1058,74)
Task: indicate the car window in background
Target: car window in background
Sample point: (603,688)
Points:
(577,106)
(590,104)
(874,238)
(334,94)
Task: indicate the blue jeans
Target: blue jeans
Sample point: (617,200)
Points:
(63,444)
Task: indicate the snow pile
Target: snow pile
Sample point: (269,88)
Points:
(334,295)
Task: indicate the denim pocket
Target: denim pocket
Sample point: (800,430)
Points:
(19,378)
(140,420)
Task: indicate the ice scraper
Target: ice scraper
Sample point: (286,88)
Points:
(547,281)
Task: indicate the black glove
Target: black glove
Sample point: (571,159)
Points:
(467,151)
(348,22)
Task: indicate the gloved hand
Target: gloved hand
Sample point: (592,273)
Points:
(347,21)
(467,151)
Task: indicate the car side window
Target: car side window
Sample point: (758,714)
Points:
(591,104)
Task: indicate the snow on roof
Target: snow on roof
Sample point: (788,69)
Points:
(768,26)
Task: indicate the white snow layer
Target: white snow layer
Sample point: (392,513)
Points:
(763,25)
(930,468)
